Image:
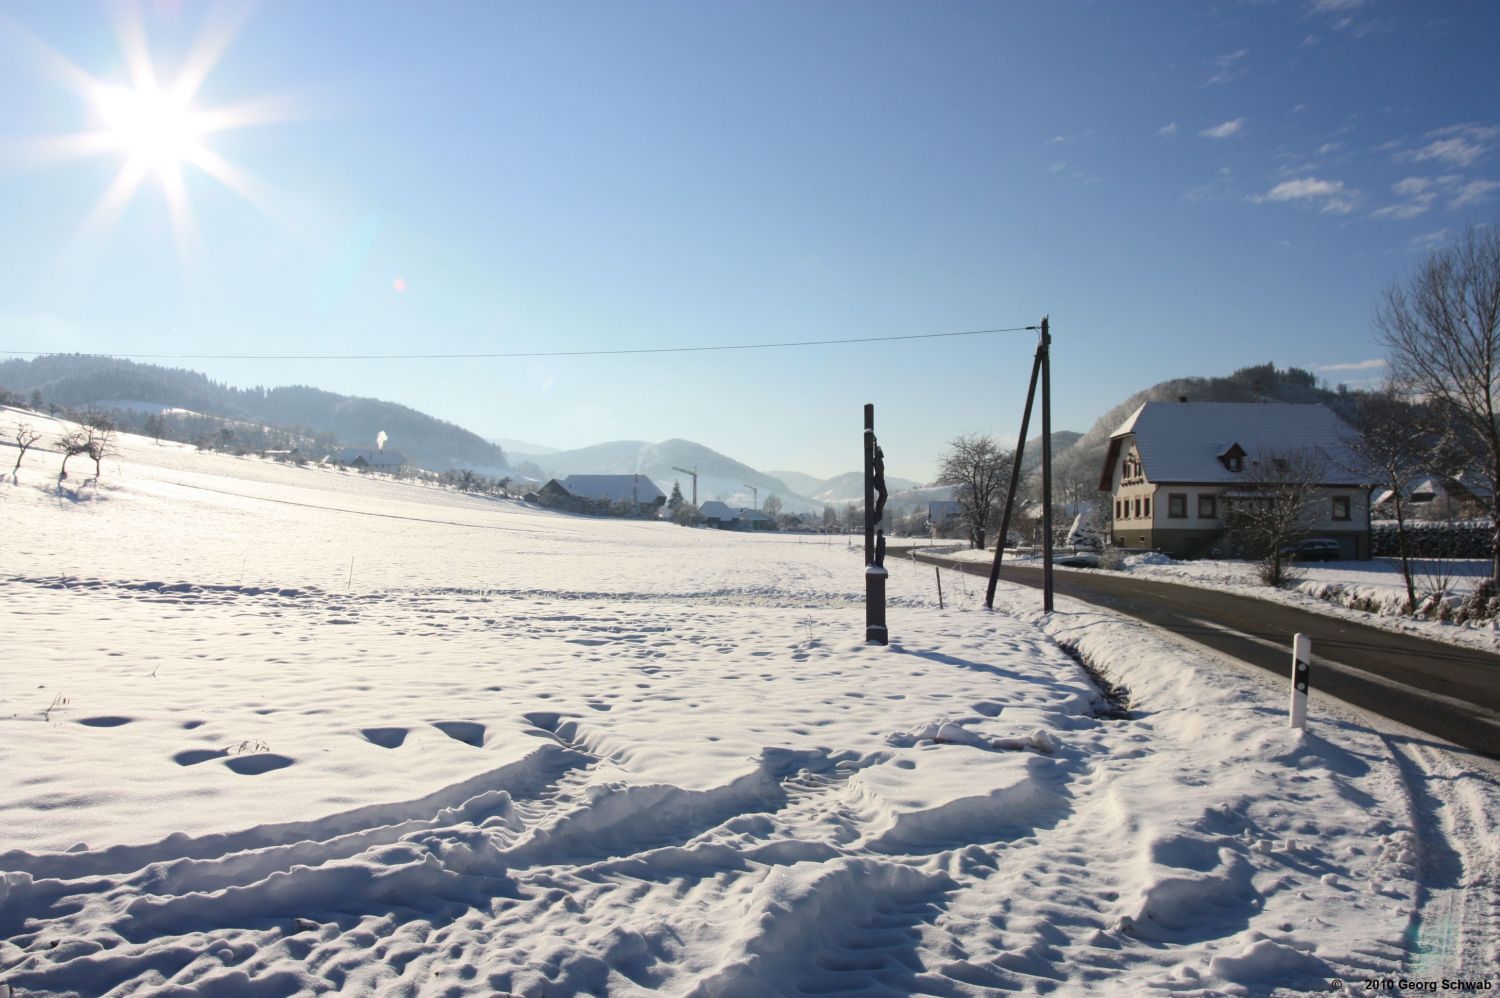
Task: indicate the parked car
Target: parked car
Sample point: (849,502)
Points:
(1314,549)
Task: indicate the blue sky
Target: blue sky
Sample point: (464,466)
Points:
(1186,188)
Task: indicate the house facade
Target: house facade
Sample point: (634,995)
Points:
(1174,469)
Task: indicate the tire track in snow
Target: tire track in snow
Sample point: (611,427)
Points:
(1458,864)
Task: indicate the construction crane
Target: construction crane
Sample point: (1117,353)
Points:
(754,495)
(694,474)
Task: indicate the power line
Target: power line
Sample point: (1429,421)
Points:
(519,354)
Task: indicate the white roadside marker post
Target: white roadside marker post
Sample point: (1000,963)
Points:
(1301,678)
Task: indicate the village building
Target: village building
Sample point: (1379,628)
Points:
(603,495)
(371,458)
(1174,469)
(722,516)
(718,514)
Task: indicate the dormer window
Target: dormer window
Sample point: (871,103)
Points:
(1233,458)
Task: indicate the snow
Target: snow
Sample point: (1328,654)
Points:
(1182,442)
(278,730)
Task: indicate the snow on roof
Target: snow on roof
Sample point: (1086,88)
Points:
(1182,441)
(372,457)
(716,510)
(615,488)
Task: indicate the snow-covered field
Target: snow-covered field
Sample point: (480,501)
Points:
(267,730)
(1371,592)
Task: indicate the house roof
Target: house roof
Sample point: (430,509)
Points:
(1183,441)
(615,488)
(716,510)
(372,457)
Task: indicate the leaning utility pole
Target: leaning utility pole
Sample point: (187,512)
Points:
(1041,369)
(694,474)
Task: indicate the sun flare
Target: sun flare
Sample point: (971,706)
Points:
(155,127)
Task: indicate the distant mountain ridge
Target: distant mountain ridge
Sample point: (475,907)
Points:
(78,380)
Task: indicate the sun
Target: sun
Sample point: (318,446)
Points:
(157,129)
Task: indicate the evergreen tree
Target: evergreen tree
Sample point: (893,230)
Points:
(676,499)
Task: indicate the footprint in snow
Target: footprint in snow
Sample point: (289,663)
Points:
(191,757)
(385,737)
(468,732)
(254,765)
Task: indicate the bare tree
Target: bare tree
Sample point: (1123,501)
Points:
(980,468)
(25,435)
(1442,328)
(94,436)
(72,443)
(1270,509)
(1393,443)
(772,506)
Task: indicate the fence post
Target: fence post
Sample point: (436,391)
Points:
(939,573)
(1301,679)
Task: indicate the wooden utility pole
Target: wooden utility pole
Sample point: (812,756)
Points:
(1046,349)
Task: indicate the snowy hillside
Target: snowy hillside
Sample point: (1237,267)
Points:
(268,730)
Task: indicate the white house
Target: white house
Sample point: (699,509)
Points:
(1173,467)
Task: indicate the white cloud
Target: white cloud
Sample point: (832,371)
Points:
(1168,129)
(1336,6)
(1224,70)
(1411,186)
(1458,150)
(1057,167)
(1473,192)
(1374,364)
(1429,239)
(1304,189)
(1328,147)
(1225,130)
(1335,197)
(1405,210)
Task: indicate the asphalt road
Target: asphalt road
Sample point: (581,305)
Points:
(1440,689)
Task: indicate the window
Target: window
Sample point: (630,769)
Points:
(1138,506)
(1146,505)
(1208,507)
(1119,509)
(1341,507)
(1176,506)
(1235,463)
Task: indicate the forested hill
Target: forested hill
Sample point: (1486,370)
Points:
(76,380)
